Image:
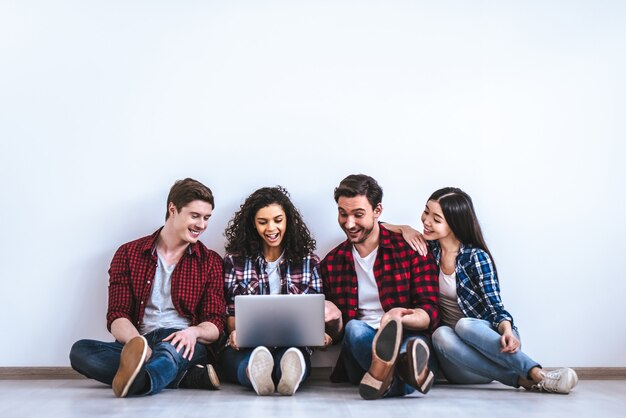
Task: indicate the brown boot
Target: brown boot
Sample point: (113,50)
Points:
(412,366)
(384,354)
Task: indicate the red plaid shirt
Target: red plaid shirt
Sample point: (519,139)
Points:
(405,279)
(197,283)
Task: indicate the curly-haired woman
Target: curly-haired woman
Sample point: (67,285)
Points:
(269,251)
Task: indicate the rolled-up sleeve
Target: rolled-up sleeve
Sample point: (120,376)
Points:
(425,293)
(120,294)
(490,288)
(213,307)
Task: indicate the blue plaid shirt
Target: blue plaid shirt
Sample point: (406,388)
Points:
(248,276)
(477,288)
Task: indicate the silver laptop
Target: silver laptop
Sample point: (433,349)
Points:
(279,320)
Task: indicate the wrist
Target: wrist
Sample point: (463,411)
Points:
(504,327)
(196,331)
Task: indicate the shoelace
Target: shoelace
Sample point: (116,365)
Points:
(549,382)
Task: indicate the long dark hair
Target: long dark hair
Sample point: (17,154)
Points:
(460,215)
(244,239)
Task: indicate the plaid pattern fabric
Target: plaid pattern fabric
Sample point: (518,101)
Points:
(245,276)
(405,278)
(477,287)
(197,291)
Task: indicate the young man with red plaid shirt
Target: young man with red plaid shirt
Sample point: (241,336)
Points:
(382,298)
(166,304)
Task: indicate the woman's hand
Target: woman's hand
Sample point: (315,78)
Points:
(508,341)
(415,239)
(328,341)
(232,340)
(412,237)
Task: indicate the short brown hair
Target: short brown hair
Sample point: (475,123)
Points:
(360,185)
(185,191)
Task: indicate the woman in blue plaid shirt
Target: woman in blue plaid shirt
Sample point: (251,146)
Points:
(477,341)
(269,251)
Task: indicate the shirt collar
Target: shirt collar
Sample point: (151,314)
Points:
(384,239)
(435,247)
(262,261)
(151,245)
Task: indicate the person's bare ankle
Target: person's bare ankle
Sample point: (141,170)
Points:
(525,383)
(535,375)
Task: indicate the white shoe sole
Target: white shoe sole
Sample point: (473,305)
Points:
(292,368)
(132,358)
(260,370)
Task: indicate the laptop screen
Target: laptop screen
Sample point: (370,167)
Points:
(279,320)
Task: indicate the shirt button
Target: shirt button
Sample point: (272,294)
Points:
(142,302)
(148,281)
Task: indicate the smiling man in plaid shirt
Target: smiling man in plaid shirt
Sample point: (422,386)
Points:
(166,304)
(382,297)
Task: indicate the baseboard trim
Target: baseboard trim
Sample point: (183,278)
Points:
(601,373)
(43,373)
(38,373)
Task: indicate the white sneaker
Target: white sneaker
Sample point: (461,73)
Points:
(259,371)
(557,381)
(292,369)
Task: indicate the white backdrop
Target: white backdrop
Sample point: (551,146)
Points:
(104,104)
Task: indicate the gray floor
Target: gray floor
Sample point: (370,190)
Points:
(81,397)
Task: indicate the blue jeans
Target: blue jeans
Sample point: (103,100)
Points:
(356,354)
(165,368)
(233,364)
(470,353)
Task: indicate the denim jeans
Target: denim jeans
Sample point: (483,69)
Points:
(233,364)
(356,354)
(165,368)
(470,353)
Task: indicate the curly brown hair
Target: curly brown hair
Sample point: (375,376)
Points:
(243,238)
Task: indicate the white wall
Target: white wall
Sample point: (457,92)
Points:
(104,104)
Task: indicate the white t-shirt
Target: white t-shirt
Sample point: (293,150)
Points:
(273,275)
(370,309)
(160,310)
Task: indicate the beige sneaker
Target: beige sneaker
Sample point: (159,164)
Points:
(132,358)
(259,371)
(557,381)
(292,369)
